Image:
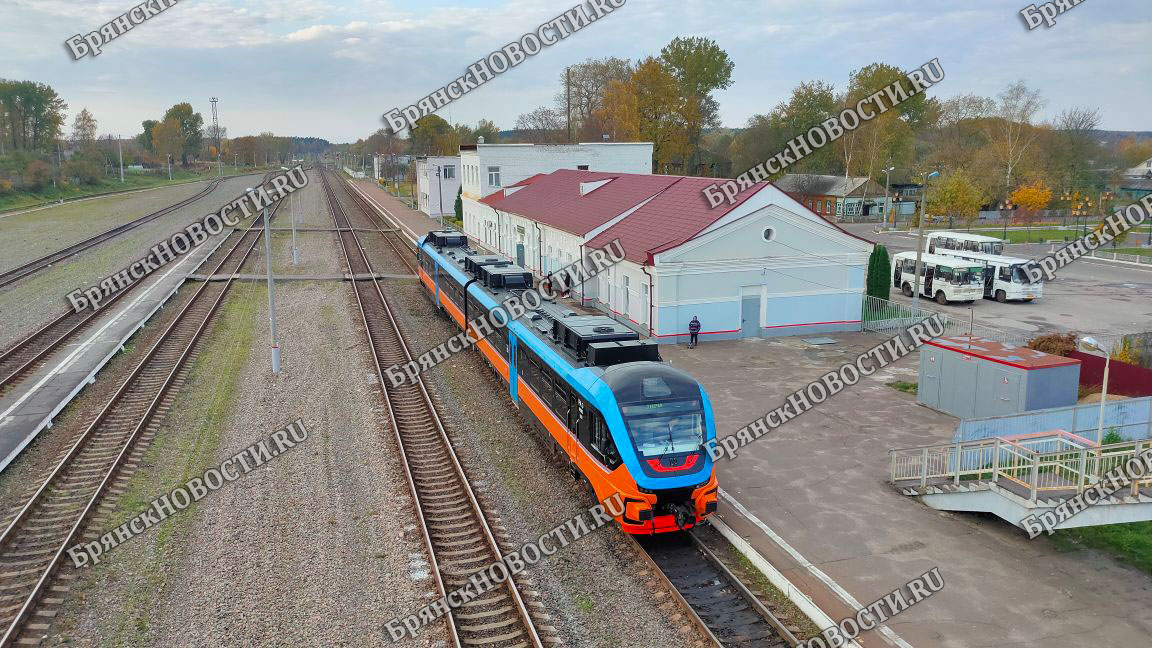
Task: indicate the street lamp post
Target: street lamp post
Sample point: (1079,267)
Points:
(887,205)
(1006,207)
(920,234)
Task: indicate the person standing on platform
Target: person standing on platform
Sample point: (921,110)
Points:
(693,332)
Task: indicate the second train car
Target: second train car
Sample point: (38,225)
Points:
(628,422)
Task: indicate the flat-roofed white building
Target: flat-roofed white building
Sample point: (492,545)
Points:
(487,168)
(437,182)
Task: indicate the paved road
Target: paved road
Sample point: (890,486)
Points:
(1089,296)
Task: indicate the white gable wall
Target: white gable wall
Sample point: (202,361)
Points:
(809,278)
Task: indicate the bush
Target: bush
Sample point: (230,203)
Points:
(1112,437)
(5,186)
(1054,343)
(37,174)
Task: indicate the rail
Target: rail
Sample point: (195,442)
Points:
(33,544)
(456,533)
(723,609)
(23,270)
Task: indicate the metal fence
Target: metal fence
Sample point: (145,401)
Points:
(883,316)
(1130,258)
(1131,419)
(1053,463)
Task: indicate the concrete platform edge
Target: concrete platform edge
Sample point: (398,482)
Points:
(91,377)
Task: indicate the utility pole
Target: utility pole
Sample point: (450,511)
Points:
(887,184)
(169,167)
(271,296)
(440,193)
(120,149)
(216,131)
(568,99)
(920,234)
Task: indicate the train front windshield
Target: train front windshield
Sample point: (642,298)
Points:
(663,428)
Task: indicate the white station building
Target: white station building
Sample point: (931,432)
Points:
(765,266)
(437,182)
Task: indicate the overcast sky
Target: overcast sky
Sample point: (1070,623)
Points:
(331,68)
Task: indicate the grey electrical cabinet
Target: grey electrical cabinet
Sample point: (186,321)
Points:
(972,377)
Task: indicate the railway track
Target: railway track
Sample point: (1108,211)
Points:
(35,265)
(20,358)
(723,608)
(457,536)
(35,538)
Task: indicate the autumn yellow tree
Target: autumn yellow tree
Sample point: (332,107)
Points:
(168,139)
(649,107)
(1031,198)
(956,197)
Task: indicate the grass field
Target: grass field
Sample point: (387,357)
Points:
(1130,543)
(21,199)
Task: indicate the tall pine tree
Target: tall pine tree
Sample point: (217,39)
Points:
(879,283)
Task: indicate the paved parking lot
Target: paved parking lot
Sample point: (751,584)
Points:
(820,483)
(1089,296)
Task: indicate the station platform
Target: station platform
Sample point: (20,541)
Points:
(413,224)
(813,497)
(30,406)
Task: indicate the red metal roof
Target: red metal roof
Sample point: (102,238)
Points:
(554,199)
(1013,356)
(677,214)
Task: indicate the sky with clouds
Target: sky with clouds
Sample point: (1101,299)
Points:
(331,68)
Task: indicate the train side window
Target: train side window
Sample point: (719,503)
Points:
(573,411)
(534,377)
(602,444)
(560,400)
(584,423)
(546,387)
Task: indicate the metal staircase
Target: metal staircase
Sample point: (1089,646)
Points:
(1017,476)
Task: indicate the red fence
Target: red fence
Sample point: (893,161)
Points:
(1123,378)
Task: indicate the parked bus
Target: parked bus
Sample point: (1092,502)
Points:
(1004,277)
(939,241)
(943,278)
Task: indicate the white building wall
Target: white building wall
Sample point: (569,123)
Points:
(432,190)
(519,161)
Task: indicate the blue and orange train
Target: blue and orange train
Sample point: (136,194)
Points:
(629,423)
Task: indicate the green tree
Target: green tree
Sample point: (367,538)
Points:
(957,198)
(460,204)
(145,138)
(33,115)
(191,129)
(433,136)
(809,104)
(879,281)
(83,128)
(700,66)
